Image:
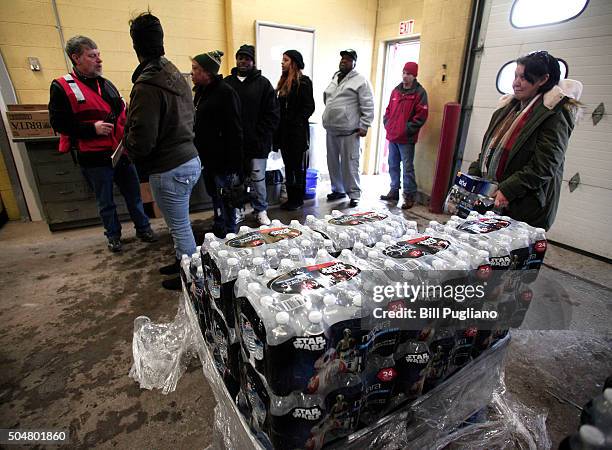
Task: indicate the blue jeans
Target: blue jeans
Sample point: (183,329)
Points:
(171,191)
(258,184)
(225,217)
(404,154)
(125,176)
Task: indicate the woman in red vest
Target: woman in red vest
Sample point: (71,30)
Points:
(89,113)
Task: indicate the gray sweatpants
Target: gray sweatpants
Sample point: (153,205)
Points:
(343,154)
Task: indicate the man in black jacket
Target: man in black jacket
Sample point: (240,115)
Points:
(159,135)
(260,117)
(218,135)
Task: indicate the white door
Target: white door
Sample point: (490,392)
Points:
(584,218)
(397,54)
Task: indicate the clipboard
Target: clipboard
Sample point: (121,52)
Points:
(116,156)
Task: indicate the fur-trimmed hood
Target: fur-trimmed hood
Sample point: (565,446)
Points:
(565,88)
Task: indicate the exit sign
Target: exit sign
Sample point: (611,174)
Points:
(406,27)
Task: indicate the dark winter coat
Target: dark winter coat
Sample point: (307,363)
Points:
(293,133)
(260,112)
(218,127)
(159,129)
(406,113)
(534,170)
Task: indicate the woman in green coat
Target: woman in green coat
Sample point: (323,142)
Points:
(523,149)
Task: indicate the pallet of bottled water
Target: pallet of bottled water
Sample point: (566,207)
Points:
(314,341)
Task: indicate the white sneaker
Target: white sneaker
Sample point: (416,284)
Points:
(240,216)
(262,218)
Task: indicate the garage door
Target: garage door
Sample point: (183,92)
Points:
(584,218)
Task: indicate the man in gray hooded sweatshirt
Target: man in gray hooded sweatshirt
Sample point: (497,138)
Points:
(349,111)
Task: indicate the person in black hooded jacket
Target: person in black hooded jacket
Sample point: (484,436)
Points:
(159,135)
(293,134)
(218,135)
(260,116)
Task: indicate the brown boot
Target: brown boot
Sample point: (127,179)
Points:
(392,195)
(408,201)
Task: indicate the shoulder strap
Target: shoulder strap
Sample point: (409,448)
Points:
(76,90)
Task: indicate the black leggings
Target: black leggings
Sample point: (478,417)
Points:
(296,163)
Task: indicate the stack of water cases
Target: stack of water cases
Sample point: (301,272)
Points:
(258,251)
(359,230)
(308,344)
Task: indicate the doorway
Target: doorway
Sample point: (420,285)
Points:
(397,53)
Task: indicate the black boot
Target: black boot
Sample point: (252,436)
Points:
(171,269)
(172,284)
(392,195)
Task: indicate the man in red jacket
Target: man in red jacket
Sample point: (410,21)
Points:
(404,117)
(89,113)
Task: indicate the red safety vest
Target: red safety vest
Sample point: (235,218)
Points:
(88,106)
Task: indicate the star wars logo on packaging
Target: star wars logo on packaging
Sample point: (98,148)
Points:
(307,413)
(500,261)
(417,358)
(313,277)
(310,343)
(483,226)
(358,218)
(416,248)
(261,237)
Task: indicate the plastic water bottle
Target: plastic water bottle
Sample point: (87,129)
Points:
(285,265)
(259,266)
(282,332)
(276,223)
(344,240)
(296,256)
(273,259)
(600,412)
(244,229)
(308,249)
(329,246)
(229,236)
(360,250)
(232,269)
(315,328)
(588,438)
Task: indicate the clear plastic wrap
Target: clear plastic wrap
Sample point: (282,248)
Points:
(162,351)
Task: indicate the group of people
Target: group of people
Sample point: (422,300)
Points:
(225,132)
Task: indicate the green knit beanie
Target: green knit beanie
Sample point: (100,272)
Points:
(210,61)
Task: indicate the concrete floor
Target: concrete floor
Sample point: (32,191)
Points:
(67,307)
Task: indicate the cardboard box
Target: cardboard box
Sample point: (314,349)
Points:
(27,122)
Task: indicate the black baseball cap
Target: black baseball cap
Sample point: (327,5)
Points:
(349,52)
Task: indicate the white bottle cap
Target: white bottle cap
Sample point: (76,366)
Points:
(372,254)
(608,395)
(305,243)
(209,236)
(336,213)
(195,255)
(266,300)
(410,232)
(310,217)
(198,249)
(412,224)
(214,244)
(364,236)
(258,260)
(263,227)
(232,261)
(286,262)
(592,436)
(322,253)
(230,236)
(433,223)
(282,318)
(244,229)
(270,273)
(243,273)
(294,223)
(271,252)
(315,316)
(185,258)
(343,235)
(438,264)
(389,264)
(357,300)
(540,230)
(223,254)
(358,245)
(253,287)
(329,300)
(346,253)
(294,252)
